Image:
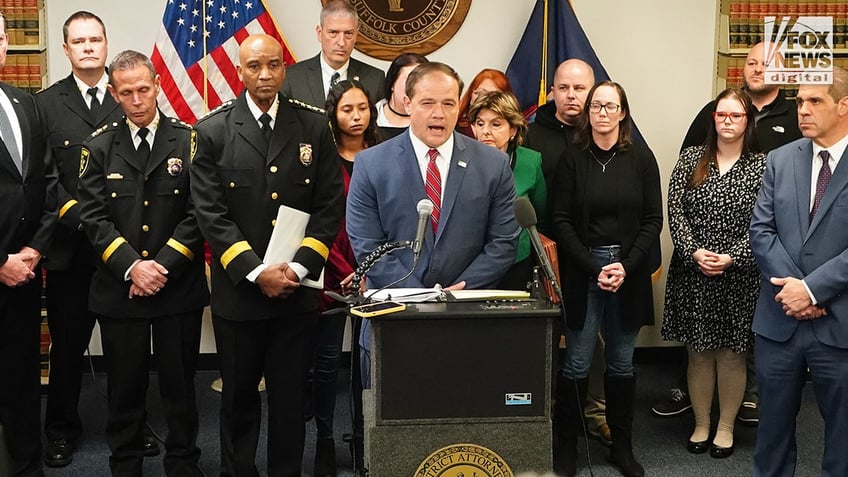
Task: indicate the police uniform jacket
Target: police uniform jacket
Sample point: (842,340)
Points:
(238,185)
(28,199)
(136,211)
(67,123)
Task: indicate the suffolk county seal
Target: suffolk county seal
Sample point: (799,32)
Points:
(415,26)
(463,460)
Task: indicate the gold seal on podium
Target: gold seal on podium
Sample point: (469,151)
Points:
(463,460)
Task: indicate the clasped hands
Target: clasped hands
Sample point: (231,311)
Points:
(278,281)
(712,264)
(611,277)
(148,278)
(19,268)
(795,299)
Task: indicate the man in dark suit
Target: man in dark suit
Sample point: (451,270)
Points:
(310,80)
(255,154)
(473,242)
(27,218)
(136,209)
(799,236)
(71,109)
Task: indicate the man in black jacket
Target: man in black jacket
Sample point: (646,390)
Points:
(27,218)
(255,154)
(552,131)
(71,109)
(136,209)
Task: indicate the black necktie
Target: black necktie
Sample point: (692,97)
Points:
(94,105)
(821,182)
(143,146)
(334,79)
(265,119)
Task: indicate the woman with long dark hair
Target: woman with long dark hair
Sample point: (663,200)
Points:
(392,118)
(607,216)
(351,116)
(713,280)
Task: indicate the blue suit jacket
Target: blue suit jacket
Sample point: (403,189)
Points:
(477,236)
(786,244)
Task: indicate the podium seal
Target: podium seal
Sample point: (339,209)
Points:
(463,460)
(387,27)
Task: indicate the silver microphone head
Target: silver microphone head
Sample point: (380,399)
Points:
(424,206)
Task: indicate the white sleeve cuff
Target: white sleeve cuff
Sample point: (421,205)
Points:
(810,292)
(255,273)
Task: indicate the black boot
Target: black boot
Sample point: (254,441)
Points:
(621,393)
(568,424)
(325,457)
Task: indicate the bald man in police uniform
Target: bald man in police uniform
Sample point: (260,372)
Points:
(135,206)
(254,154)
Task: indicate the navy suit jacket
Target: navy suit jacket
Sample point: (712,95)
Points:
(304,81)
(477,236)
(786,244)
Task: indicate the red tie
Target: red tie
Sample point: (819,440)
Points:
(434,188)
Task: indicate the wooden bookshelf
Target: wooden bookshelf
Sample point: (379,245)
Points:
(740,26)
(26,61)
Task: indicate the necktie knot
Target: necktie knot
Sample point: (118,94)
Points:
(825,156)
(334,79)
(95,103)
(142,133)
(433,154)
(265,119)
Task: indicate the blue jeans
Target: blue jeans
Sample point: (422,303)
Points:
(601,309)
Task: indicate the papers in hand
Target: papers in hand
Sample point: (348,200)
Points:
(408,295)
(286,238)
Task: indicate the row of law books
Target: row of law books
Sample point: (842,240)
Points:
(26,71)
(747,18)
(22,21)
(730,68)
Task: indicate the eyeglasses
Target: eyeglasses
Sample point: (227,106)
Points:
(721,116)
(610,108)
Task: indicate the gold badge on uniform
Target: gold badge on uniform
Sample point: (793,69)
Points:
(84,157)
(175,166)
(193,145)
(306,154)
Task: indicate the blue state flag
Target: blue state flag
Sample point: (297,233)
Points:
(552,36)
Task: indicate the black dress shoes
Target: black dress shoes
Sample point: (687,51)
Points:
(151,447)
(58,453)
(697,447)
(718,452)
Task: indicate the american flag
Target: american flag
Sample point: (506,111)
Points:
(196,52)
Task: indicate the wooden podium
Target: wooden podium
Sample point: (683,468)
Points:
(460,373)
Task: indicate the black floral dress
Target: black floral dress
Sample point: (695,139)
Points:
(709,313)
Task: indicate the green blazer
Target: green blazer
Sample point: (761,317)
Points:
(530,183)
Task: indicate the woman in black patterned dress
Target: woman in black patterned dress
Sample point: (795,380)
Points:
(713,281)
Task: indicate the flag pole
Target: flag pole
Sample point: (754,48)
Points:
(205,67)
(543,90)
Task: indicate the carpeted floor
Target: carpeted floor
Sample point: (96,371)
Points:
(660,442)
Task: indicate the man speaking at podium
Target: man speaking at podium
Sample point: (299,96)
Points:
(473,235)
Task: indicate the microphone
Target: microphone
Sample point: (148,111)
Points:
(525,215)
(425,208)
